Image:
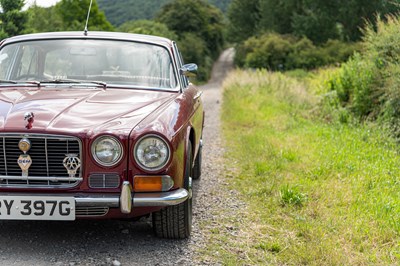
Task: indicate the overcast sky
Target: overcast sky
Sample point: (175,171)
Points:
(43,3)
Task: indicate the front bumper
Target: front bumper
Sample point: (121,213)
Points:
(124,201)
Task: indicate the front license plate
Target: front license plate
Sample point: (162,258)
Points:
(37,208)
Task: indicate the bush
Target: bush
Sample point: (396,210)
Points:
(368,84)
(286,52)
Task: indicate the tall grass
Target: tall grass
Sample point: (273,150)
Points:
(317,193)
(367,86)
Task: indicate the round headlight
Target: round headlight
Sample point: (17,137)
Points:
(107,150)
(151,153)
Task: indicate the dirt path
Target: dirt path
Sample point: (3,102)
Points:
(125,243)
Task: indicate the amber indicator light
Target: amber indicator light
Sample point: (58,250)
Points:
(145,183)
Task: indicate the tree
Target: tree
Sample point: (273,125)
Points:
(317,20)
(198,17)
(244,19)
(12,19)
(353,15)
(42,19)
(74,13)
(148,27)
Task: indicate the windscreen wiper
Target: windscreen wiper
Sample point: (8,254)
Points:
(61,81)
(8,81)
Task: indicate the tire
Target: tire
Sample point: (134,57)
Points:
(197,163)
(175,222)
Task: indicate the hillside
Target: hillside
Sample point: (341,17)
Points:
(120,11)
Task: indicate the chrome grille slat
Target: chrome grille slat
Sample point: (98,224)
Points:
(47,157)
(104,180)
(4,154)
(91,211)
(47,153)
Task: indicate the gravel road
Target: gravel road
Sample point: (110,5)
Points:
(131,243)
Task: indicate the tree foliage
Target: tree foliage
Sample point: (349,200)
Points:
(318,20)
(66,15)
(73,14)
(197,17)
(121,11)
(244,19)
(148,27)
(12,19)
(42,19)
(200,30)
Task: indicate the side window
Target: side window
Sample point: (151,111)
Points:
(28,64)
(185,80)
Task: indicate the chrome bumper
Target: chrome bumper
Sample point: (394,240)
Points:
(126,200)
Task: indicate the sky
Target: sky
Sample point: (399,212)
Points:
(43,3)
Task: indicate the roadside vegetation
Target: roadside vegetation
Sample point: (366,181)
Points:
(318,193)
(315,157)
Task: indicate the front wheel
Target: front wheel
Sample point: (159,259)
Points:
(176,221)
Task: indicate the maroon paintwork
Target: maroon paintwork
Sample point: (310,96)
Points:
(88,112)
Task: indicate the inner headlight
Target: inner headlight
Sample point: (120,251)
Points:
(151,153)
(107,150)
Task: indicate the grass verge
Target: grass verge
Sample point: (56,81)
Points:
(317,193)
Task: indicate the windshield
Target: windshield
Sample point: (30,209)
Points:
(113,62)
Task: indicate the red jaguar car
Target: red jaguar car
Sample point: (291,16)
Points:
(98,125)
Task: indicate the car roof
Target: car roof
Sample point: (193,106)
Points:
(91,35)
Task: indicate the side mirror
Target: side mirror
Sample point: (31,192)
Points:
(189,70)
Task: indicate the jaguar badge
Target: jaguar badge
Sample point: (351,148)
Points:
(72,163)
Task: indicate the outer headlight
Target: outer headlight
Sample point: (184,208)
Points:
(107,150)
(151,153)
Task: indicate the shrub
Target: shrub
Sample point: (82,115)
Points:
(368,84)
(286,52)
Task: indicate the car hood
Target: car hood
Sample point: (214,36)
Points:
(79,110)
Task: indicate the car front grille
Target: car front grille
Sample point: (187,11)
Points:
(47,153)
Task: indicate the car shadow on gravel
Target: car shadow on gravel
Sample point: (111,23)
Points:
(84,242)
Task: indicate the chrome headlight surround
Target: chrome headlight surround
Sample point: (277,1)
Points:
(107,156)
(152,153)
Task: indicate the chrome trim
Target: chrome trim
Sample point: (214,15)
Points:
(160,199)
(41,178)
(189,70)
(91,211)
(126,198)
(198,95)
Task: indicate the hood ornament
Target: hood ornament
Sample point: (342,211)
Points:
(29,118)
(72,163)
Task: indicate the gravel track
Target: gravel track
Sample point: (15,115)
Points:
(132,243)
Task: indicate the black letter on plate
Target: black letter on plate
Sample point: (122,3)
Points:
(8,206)
(67,210)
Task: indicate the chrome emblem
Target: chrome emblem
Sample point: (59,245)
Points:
(24,145)
(29,117)
(72,163)
(24,162)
